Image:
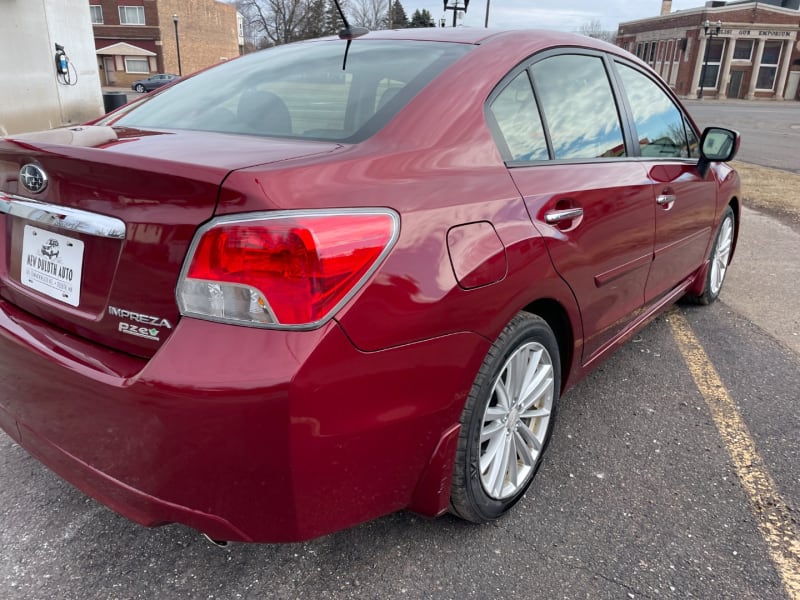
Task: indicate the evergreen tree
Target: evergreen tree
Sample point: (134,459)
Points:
(313,25)
(421,18)
(399,17)
(333,20)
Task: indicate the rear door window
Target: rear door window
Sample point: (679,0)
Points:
(581,116)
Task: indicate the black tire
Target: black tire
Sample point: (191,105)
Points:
(524,337)
(719,258)
(140,88)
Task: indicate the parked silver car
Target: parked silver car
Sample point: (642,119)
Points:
(153,82)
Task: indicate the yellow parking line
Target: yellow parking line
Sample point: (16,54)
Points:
(771,512)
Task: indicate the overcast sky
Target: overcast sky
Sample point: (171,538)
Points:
(563,15)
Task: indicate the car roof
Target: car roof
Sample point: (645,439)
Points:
(463,35)
(514,42)
(469,35)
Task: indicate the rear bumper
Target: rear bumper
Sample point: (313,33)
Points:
(243,434)
(134,504)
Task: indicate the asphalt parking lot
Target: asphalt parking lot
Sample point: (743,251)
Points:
(674,472)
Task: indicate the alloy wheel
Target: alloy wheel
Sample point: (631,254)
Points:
(721,257)
(516,420)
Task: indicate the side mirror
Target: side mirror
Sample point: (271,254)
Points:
(717,145)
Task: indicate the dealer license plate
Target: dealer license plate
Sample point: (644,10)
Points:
(52,264)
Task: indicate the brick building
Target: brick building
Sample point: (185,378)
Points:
(136,38)
(754,55)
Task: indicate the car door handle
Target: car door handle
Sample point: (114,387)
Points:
(556,216)
(665,199)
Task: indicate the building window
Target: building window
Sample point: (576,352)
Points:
(651,57)
(769,66)
(137,65)
(676,58)
(667,59)
(97,14)
(711,66)
(743,50)
(131,15)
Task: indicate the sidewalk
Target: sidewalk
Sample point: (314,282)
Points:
(762,280)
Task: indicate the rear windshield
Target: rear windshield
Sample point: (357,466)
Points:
(299,90)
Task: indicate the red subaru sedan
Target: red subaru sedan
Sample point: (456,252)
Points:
(306,288)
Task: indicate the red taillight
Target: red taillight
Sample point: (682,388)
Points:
(291,269)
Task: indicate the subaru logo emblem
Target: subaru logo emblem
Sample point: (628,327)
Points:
(33,178)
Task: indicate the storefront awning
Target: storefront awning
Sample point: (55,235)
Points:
(124,49)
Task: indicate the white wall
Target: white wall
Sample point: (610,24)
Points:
(31,96)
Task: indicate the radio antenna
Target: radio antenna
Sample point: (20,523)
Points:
(348,33)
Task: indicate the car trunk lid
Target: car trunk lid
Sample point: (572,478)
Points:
(97,252)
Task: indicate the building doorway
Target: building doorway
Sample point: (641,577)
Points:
(735,86)
(792,85)
(108,67)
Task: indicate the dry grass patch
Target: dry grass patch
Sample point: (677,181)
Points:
(771,189)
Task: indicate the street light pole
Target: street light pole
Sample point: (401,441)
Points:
(455,8)
(177,43)
(710,33)
(486,21)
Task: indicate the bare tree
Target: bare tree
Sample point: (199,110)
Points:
(371,14)
(281,21)
(594,29)
(274,22)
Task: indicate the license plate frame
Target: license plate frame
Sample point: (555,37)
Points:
(52,264)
